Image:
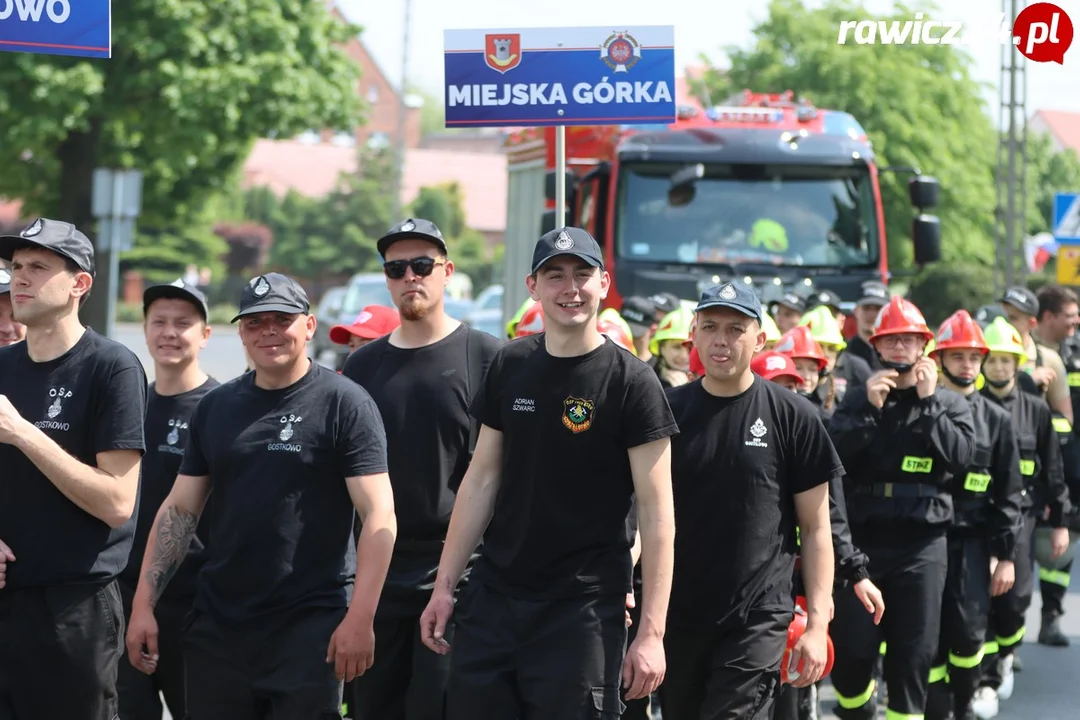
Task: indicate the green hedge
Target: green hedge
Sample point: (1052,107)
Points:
(133,313)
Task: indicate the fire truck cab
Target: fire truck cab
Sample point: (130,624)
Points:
(764,189)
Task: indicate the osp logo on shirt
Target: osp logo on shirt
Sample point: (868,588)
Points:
(57,396)
(288,425)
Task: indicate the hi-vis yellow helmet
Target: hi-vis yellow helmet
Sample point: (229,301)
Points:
(824,328)
(1001,337)
(511,327)
(611,315)
(768,235)
(772,333)
(675,326)
(929,347)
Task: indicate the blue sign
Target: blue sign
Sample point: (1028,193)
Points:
(1067,217)
(560,76)
(57,27)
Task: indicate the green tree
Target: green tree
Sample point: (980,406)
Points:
(1049,172)
(444,205)
(919,104)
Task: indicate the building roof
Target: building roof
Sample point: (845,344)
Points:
(1064,126)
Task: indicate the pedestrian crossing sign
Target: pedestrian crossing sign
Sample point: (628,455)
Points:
(1068,265)
(1067,217)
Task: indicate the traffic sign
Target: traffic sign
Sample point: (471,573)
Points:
(1067,217)
(1068,265)
(560,76)
(57,27)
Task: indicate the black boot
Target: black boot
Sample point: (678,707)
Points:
(1050,632)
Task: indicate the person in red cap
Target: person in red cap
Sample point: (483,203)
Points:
(905,443)
(778,368)
(810,361)
(371,324)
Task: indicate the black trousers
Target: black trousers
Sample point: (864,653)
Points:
(140,694)
(910,572)
(407,681)
(517,659)
(1053,586)
(725,673)
(278,671)
(1008,612)
(59,651)
(965,613)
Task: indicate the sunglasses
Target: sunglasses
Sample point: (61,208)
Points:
(421,267)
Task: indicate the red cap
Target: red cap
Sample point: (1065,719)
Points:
(696,366)
(374,322)
(774,365)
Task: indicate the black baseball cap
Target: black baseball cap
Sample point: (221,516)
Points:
(1022,299)
(177,290)
(60,237)
(666,302)
(639,313)
(737,296)
(824,297)
(873,293)
(5,281)
(791,301)
(415,228)
(273,292)
(567,241)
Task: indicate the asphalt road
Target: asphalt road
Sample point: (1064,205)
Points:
(1045,690)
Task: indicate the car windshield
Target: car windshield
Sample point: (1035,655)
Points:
(775,215)
(366,291)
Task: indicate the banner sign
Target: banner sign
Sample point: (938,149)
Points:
(57,27)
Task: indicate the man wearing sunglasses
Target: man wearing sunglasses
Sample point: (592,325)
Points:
(422,376)
(573,427)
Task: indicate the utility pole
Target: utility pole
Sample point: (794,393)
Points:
(1010,213)
(399,153)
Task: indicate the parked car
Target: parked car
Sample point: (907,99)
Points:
(489,321)
(363,289)
(326,314)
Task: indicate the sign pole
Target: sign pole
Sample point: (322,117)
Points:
(560,176)
(115,241)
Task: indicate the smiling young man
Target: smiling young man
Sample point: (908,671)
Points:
(572,427)
(753,462)
(11,331)
(176,330)
(422,376)
(289,451)
(71,440)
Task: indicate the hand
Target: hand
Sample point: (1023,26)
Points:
(879,385)
(1059,542)
(434,619)
(11,422)
(926,377)
(142,638)
(6,556)
(352,648)
(644,667)
(1003,575)
(1043,376)
(630,605)
(812,652)
(871,598)
(676,377)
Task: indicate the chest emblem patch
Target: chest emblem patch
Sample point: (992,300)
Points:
(578,414)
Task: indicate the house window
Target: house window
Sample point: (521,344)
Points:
(309,137)
(373,94)
(344,139)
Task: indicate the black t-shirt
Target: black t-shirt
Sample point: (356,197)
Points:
(166,428)
(736,467)
(280,514)
(89,400)
(560,527)
(423,395)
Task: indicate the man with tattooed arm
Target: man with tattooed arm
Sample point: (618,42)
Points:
(289,451)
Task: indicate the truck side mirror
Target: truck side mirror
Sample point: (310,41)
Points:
(926,235)
(549,186)
(924,191)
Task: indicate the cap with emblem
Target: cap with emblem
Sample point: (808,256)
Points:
(62,238)
(824,297)
(177,290)
(567,241)
(639,313)
(1022,299)
(5,281)
(413,228)
(273,292)
(873,293)
(737,296)
(665,302)
(791,301)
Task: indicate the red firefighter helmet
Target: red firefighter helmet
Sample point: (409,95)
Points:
(795,631)
(900,317)
(532,322)
(774,365)
(696,366)
(960,332)
(798,344)
(617,334)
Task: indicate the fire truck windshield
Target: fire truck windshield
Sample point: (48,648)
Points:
(747,214)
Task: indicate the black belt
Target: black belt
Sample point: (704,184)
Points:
(906,490)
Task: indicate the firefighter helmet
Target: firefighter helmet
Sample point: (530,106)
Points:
(1044,554)
(696,366)
(798,344)
(612,316)
(676,325)
(824,328)
(1001,337)
(511,327)
(772,333)
(900,317)
(616,333)
(774,365)
(960,332)
(795,631)
(531,321)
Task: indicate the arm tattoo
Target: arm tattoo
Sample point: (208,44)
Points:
(174,535)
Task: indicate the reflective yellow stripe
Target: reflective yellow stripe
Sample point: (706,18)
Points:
(1062,425)
(1005,642)
(1027,467)
(977,482)
(881,648)
(893,715)
(1055,577)
(990,648)
(967,662)
(854,703)
(913,464)
(1074,379)
(939,673)
(798,536)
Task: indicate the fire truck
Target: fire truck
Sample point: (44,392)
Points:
(763,189)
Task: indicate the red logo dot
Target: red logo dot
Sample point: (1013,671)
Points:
(1043,32)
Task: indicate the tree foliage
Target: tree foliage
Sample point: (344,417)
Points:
(1049,172)
(919,104)
(444,205)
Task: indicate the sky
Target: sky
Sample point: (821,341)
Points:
(1050,86)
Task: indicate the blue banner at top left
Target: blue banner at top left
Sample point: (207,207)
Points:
(57,27)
